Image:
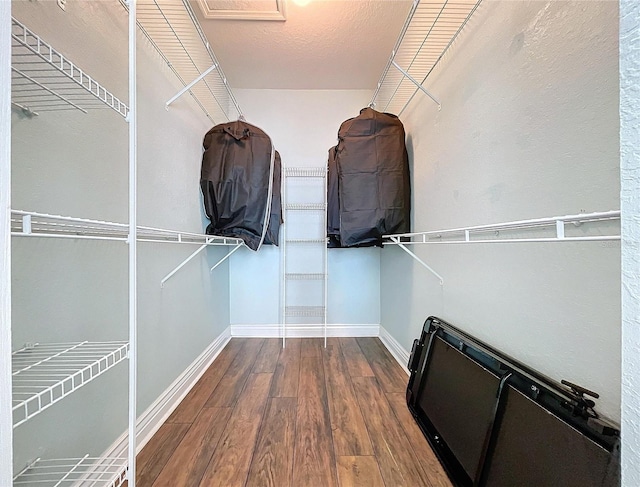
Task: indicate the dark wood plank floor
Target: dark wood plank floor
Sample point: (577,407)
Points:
(303,416)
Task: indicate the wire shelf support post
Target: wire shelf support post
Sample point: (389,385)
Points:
(133,246)
(6,430)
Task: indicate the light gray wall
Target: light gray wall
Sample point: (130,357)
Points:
(630,206)
(528,128)
(6,430)
(303,125)
(74,164)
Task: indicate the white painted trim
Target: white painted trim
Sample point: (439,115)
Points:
(279,14)
(399,353)
(304,331)
(6,416)
(630,249)
(150,421)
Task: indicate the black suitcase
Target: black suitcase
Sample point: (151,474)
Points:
(492,421)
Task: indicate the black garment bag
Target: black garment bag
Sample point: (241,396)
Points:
(373,179)
(237,181)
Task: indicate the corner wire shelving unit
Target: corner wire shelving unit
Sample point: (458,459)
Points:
(429,30)
(173,29)
(44,80)
(581,227)
(318,174)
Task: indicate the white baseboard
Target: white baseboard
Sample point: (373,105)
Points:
(305,331)
(157,413)
(398,352)
(150,421)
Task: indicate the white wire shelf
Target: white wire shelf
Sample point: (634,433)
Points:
(33,224)
(430,28)
(551,229)
(304,276)
(304,311)
(171,26)
(43,374)
(43,80)
(44,225)
(307,241)
(305,172)
(306,207)
(85,471)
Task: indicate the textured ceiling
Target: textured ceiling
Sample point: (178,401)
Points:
(326,44)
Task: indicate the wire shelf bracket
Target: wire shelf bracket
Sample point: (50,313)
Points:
(227,256)
(44,374)
(417,83)
(40,74)
(210,241)
(189,86)
(430,29)
(396,240)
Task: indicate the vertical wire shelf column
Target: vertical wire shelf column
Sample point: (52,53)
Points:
(314,311)
(6,430)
